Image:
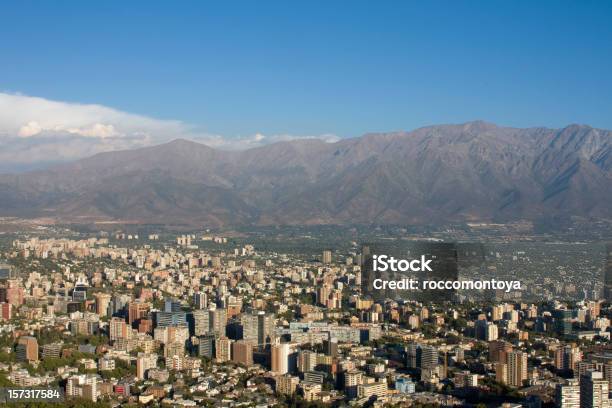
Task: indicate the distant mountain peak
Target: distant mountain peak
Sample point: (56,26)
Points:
(479,126)
(436,174)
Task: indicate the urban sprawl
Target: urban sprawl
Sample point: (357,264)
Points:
(186,320)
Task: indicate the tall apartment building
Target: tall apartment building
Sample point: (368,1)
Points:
(223,349)
(103,301)
(327,257)
(206,346)
(568,395)
(137,311)
(352,379)
(200,300)
(594,390)
(498,351)
(172,305)
(145,362)
(517,368)
(422,356)
(119,329)
(307,361)
(199,322)
(280,358)
(242,352)
(567,357)
(486,330)
(250,328)
(501,373)
(218,321)
(82,386)
(331,346)
(164,318)
(27,349)
(286,384)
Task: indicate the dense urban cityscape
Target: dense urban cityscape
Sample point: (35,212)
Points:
(306,204)
(207,319)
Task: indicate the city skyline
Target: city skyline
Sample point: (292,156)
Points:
(306,204)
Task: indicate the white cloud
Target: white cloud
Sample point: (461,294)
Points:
(38,130)
(30,129)
(257,140)
(96,130)
(29,116)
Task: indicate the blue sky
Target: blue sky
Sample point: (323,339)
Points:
(345,68)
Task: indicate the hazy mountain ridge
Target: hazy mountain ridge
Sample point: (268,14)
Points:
(472,171)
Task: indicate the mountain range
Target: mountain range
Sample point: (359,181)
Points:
(475,171)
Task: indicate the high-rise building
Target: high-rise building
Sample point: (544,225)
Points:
(119,329)
(568,395)
(172,305)
(174,349)
(352,379)
(331,346)
(411,355)
(428,357)
(307,361)
(315,376)
(286,384)
(280,358)
(424,314)
(265,329)
(200,300)
(567,357)
(497,312)
(145,326)
(103,301)
(311,391)
(498,351)
(145,362)
(218,321)
(250,328)
(517,368)
(199,322)
(27,349)
(171,334)
(83,386)
(206,346)
(242,352)
(594,390)
(79,293)
(223,349)
(164,319)
(327,257)
(423,357)
(486,330)
(562,321)
(465,379)
(6,311)
(501,373)
(137,311)
(323,293)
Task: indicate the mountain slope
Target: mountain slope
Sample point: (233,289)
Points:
(472,171)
